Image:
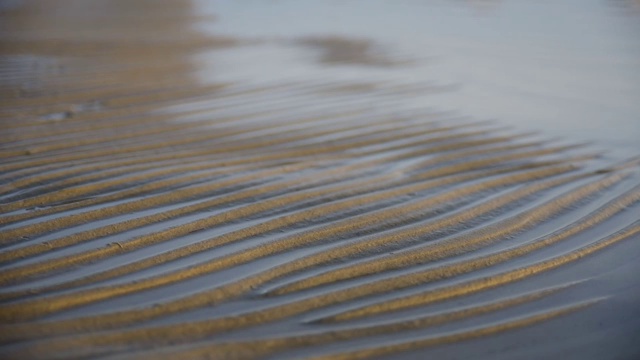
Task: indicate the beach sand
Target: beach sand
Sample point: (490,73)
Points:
(161,200)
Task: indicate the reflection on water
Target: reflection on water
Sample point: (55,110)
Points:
(567,68)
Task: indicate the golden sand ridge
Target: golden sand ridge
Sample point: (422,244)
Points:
(145,213)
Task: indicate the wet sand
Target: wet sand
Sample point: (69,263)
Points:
(150,210)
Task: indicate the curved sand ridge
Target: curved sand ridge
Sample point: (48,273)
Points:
(146,215)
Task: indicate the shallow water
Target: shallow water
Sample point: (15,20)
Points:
(296,179)
(566,68)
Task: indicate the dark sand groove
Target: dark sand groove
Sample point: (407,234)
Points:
(280,201)
(263,347)
(191,192)
(501,230)
(187,153)
(279,223)
(172,170)
(462,335)
(218,264)
(190,143)
(197,330)
(70,191)
(148,212)
(200,329)
(110,163)
(51,304)
(136,189)
(284,200)
(483,283)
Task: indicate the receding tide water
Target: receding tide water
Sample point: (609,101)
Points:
(567,68)
(319,179)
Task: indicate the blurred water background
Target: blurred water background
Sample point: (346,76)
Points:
(566,68)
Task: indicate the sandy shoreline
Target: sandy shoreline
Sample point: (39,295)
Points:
(148,213)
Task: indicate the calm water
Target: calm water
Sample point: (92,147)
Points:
(566,68)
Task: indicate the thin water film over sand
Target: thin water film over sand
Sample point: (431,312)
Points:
(329,180)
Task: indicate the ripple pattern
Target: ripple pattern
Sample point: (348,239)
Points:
(144,214)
